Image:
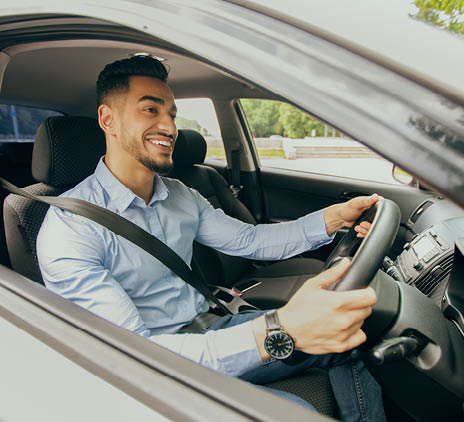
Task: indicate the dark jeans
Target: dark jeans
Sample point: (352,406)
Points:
(358,395)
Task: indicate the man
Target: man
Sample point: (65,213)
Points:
(111,277)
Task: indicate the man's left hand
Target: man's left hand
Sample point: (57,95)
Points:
(350,211)
(346,214)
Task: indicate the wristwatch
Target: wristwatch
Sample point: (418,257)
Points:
(278,344)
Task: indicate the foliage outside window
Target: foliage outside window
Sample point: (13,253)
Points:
(268,118)
(447,14)
(287,138)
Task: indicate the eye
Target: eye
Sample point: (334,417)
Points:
(173,116)
(150,109)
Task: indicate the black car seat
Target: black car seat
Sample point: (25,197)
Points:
(15,166)
(266,286)
(66,151)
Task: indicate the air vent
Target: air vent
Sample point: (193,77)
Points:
(419,210)
(434,277)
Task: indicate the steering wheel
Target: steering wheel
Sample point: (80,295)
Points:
(366,254)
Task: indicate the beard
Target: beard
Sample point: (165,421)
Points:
(155,165)
(160,165)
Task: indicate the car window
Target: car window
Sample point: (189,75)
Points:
(199,114)
(287,138)
(19,124)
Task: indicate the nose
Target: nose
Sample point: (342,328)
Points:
(167,125)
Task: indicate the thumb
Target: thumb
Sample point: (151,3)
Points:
(331,275)
(371,200)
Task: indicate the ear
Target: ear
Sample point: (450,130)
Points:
(106,119)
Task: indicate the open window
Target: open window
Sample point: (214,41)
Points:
(199,114)
(288,138)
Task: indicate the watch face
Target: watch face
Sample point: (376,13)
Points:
(279,345)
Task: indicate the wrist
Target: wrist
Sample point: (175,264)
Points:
(285,318)
(332,218)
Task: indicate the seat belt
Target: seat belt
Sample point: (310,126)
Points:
(235,187)
(140,237)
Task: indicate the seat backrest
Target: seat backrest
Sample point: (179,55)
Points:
(188,157)
(66,151)
(15,166)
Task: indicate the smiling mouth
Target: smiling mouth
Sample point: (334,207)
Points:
(164,144)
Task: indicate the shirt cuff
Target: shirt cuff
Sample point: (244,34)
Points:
(237,349)
(314,229)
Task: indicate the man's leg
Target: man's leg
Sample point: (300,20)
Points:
(357,393)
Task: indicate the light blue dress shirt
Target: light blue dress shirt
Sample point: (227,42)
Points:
(111,277)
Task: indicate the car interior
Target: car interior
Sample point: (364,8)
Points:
(53,66)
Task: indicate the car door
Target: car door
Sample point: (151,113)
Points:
(306,165)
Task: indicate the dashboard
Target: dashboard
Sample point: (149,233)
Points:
(431,259)
(425,307)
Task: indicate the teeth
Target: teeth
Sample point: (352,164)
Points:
(163,143)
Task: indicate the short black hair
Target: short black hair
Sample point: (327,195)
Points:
(115,76)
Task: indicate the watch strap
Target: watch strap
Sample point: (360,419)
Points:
(272,321)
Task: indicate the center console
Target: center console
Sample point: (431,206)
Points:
(426,260)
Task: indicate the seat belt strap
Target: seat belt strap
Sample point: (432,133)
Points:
(130,231)
(235,187)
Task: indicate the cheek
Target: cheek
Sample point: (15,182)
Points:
(133,131)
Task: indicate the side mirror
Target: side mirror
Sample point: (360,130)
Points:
(403,177)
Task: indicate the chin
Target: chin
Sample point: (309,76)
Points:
(158,166)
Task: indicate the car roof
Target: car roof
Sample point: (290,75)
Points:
(383,31)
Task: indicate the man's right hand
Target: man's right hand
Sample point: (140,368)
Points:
(322,321)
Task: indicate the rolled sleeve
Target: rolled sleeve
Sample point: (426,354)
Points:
(313,226)
(263,241)
(231,351)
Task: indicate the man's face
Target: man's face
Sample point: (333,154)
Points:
(146,128)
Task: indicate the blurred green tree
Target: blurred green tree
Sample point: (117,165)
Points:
(267,118)
(263,117)
(298,124)
(183,123)
(447,14)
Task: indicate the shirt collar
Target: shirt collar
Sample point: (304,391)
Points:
(121,195)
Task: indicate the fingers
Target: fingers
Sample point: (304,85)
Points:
(372,199)
(356,299)
(363,229)
(331,275)
(365,202)
(353,209)
(356,339)
(349,322)
(351,338)
(358,316)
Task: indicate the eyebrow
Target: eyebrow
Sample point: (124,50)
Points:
(155,100)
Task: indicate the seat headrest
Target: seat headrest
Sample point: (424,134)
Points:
(66,150)
(190,149)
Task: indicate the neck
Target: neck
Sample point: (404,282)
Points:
(132,174)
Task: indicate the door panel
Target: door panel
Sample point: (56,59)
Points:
(290,194)
(275,195)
